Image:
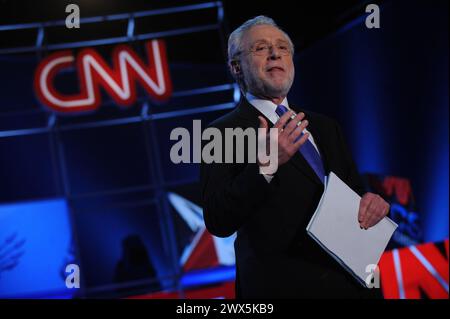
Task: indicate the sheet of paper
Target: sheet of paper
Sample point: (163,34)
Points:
(335,227)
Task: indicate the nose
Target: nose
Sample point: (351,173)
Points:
(274,53)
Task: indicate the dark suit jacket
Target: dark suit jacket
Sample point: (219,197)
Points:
(275,258)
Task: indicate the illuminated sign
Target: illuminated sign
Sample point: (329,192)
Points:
(416,272)
(93,72)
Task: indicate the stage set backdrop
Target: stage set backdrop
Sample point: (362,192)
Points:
(86,181)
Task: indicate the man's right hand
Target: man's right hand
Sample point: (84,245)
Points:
(288,132)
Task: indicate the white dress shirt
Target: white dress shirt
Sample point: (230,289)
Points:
(268,108)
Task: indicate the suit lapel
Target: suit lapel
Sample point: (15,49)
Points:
(320,141)
(249,113)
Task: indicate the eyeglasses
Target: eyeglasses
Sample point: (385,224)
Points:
(263,49)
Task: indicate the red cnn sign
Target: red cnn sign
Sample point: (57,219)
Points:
(93,73)
(415,272)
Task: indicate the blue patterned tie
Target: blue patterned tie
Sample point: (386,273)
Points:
(308,150)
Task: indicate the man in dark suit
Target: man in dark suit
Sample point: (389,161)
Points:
(274,255)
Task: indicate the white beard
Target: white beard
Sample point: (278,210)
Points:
(260,87)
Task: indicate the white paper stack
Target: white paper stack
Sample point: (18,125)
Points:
(335,227)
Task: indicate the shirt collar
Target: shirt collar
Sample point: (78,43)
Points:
(266,107)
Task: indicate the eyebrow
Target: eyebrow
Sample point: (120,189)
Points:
(265,41)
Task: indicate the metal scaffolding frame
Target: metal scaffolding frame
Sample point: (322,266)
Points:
(53,129)
(40,28)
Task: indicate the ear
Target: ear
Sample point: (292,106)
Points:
(236,67)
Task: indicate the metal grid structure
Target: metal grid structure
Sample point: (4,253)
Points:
(55,125)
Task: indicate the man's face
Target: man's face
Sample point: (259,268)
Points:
(266,62)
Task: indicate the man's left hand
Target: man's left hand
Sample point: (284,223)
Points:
(372,209)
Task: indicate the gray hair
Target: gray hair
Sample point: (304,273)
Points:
(235,39)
